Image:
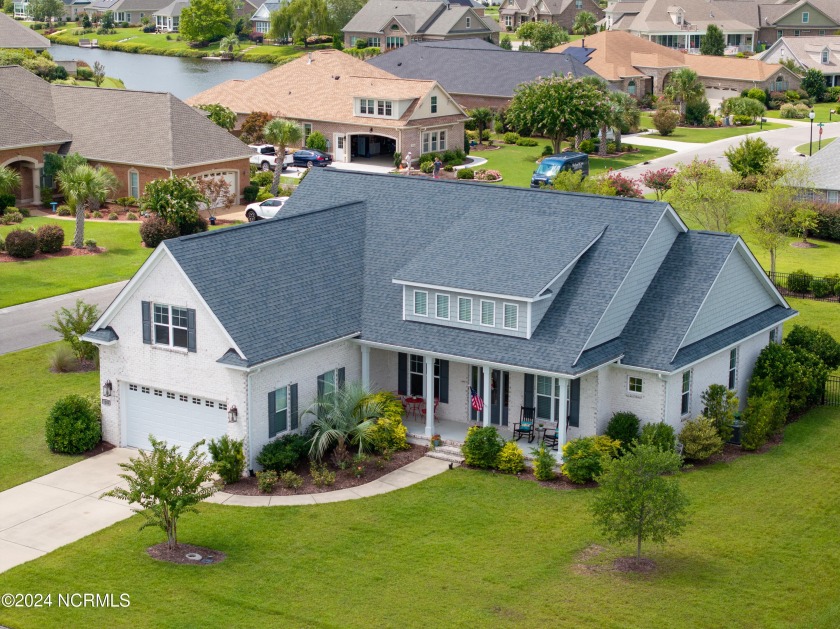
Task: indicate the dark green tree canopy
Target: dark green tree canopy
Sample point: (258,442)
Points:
(814,83)
(712,43)
(207,20)
(301,19)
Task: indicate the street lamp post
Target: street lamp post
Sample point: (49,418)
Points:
(811,115)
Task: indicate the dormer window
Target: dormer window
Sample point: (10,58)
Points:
(805,17)
(421,303)
(464,309)
(824,56)
(395,27)
(366,106)
(383,107)
(511,321)
(488,313)
(469,22)
(442,306)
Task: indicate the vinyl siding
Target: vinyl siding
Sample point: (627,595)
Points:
(539,308)
(638,279)
(736,295)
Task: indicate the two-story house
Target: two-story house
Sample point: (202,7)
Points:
(364,112)
(820,53)
(575,305)
(514,13)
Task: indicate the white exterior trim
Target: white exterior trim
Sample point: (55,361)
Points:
(452,289)
(259,366)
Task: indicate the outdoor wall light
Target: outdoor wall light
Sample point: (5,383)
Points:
(233,414)
(107,388)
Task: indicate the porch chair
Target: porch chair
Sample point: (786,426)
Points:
(551,436)
(525,426)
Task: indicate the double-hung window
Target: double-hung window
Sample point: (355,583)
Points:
(421,303)
(171,326)
(134,184)
(511,321)
(685,395)
(548,393)
(488,313)
(733,367)
(307,131)
(806,17)
(465,309)
(415,375)
(281,412)
(442,306)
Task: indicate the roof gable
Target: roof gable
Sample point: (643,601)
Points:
(16,35)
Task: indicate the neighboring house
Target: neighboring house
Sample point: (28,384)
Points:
(261,20)
(74,8)
(22,10)
(494,73)
(173,139)
(364,112)
(824,172)
(13,34)
(745,23)
(820,53)
(514,13)
(389,24)
(428,288)
(131,11)
(638,66)
(168,19)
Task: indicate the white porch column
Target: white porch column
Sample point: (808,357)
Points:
(365,366)
(561,388)
(36,185)
(429,381)
(485,415)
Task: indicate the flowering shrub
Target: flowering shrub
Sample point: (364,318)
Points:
(659,180)
(488,175)
(625,186)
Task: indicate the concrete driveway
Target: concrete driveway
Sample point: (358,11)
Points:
(59,508)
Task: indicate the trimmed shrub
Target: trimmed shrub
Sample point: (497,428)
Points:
(817,342)
(97,214)
(317,141)
(131,216)
(700,439)
(487,175)
(12,216)
(758,94)
(482,446)
(544,463)
(794,369)
(389,432)
(526,142)
(765,413)
(511,137)
(285,453)
(291,480)
(466,173)
(228,458)
(155,230)
(21,243)
(426,167)
(665,120)
(511,460)
(799,281)
(789,112)
(720,405)
(587,146)
(266,480)
(249,192)
(263,178)
(90,244)
(820,288)
(584,458)
(624,427)
(659,435)
(321,475)
(73,425)
(696,111)
(50,238)
(113,216)
(64,210)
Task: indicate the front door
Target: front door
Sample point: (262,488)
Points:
(339,148)
(499,397)
(477,383)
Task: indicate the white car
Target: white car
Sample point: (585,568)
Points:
(265,157)
(264,209)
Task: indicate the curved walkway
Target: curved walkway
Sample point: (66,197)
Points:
(414,472)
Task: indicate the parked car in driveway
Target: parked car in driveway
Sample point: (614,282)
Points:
(265,157)
(310,157)
(264,209)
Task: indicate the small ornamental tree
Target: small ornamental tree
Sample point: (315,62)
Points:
(72,324)
(704,193)
(542,35)
(166,485)
(221,115)
(98,73)
(636,501)
(814,83)
(253,127)
(665,119)
(720,405)
(752,156)
(625,186)
(483,118)
(743,106)
(659,180)
(712,43)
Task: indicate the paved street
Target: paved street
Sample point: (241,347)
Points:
(26,325)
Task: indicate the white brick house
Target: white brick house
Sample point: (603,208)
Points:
(578,306)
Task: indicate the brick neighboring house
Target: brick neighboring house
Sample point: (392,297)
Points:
(173,139)
(514,13)
(13,34)
(389,24)
(821,53)
(638,66)
(363,112)
(494,73)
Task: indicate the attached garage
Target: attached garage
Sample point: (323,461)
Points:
(177,418)
(228,175)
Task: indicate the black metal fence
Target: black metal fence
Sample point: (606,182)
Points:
(831,393)
(807,286)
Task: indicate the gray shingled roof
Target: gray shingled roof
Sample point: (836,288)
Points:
(280,286)
(19,91)
(468,257)
(372,17)
(13,34)
(102,335)
(824,167)
(493,71)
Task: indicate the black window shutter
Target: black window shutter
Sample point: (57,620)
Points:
(402,373)
(443,370)
(340,378)
(191,329)
(529,390)
(146,308)
(320,386)
(293,405)
(574,405)
(272,415)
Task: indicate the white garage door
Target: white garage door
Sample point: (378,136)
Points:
(177,418)
(227,175)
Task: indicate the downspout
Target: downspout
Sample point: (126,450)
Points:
(250,423)
(665,404)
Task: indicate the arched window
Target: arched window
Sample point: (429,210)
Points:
(631,88)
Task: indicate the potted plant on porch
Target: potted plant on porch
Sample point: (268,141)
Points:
(436,441)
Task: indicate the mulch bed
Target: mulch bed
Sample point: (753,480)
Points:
(162,552)
(82,366)
(803,245)
(344,479)
(64,253)
(101,447)
(634,564)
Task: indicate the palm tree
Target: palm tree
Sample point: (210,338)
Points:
(281,133)
(482,117)
(684,87)
(343,418)
(9,180)
(626,114)
(584,23)
(81,184)
(229,43)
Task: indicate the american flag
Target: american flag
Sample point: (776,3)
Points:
(476,401)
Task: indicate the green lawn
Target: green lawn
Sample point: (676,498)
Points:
(108,82)
(820,109)
(36,279)
(803,148)
(705,135)
(517,163)
(28,389)
(474,549)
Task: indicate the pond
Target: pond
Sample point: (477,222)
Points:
(182,76)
